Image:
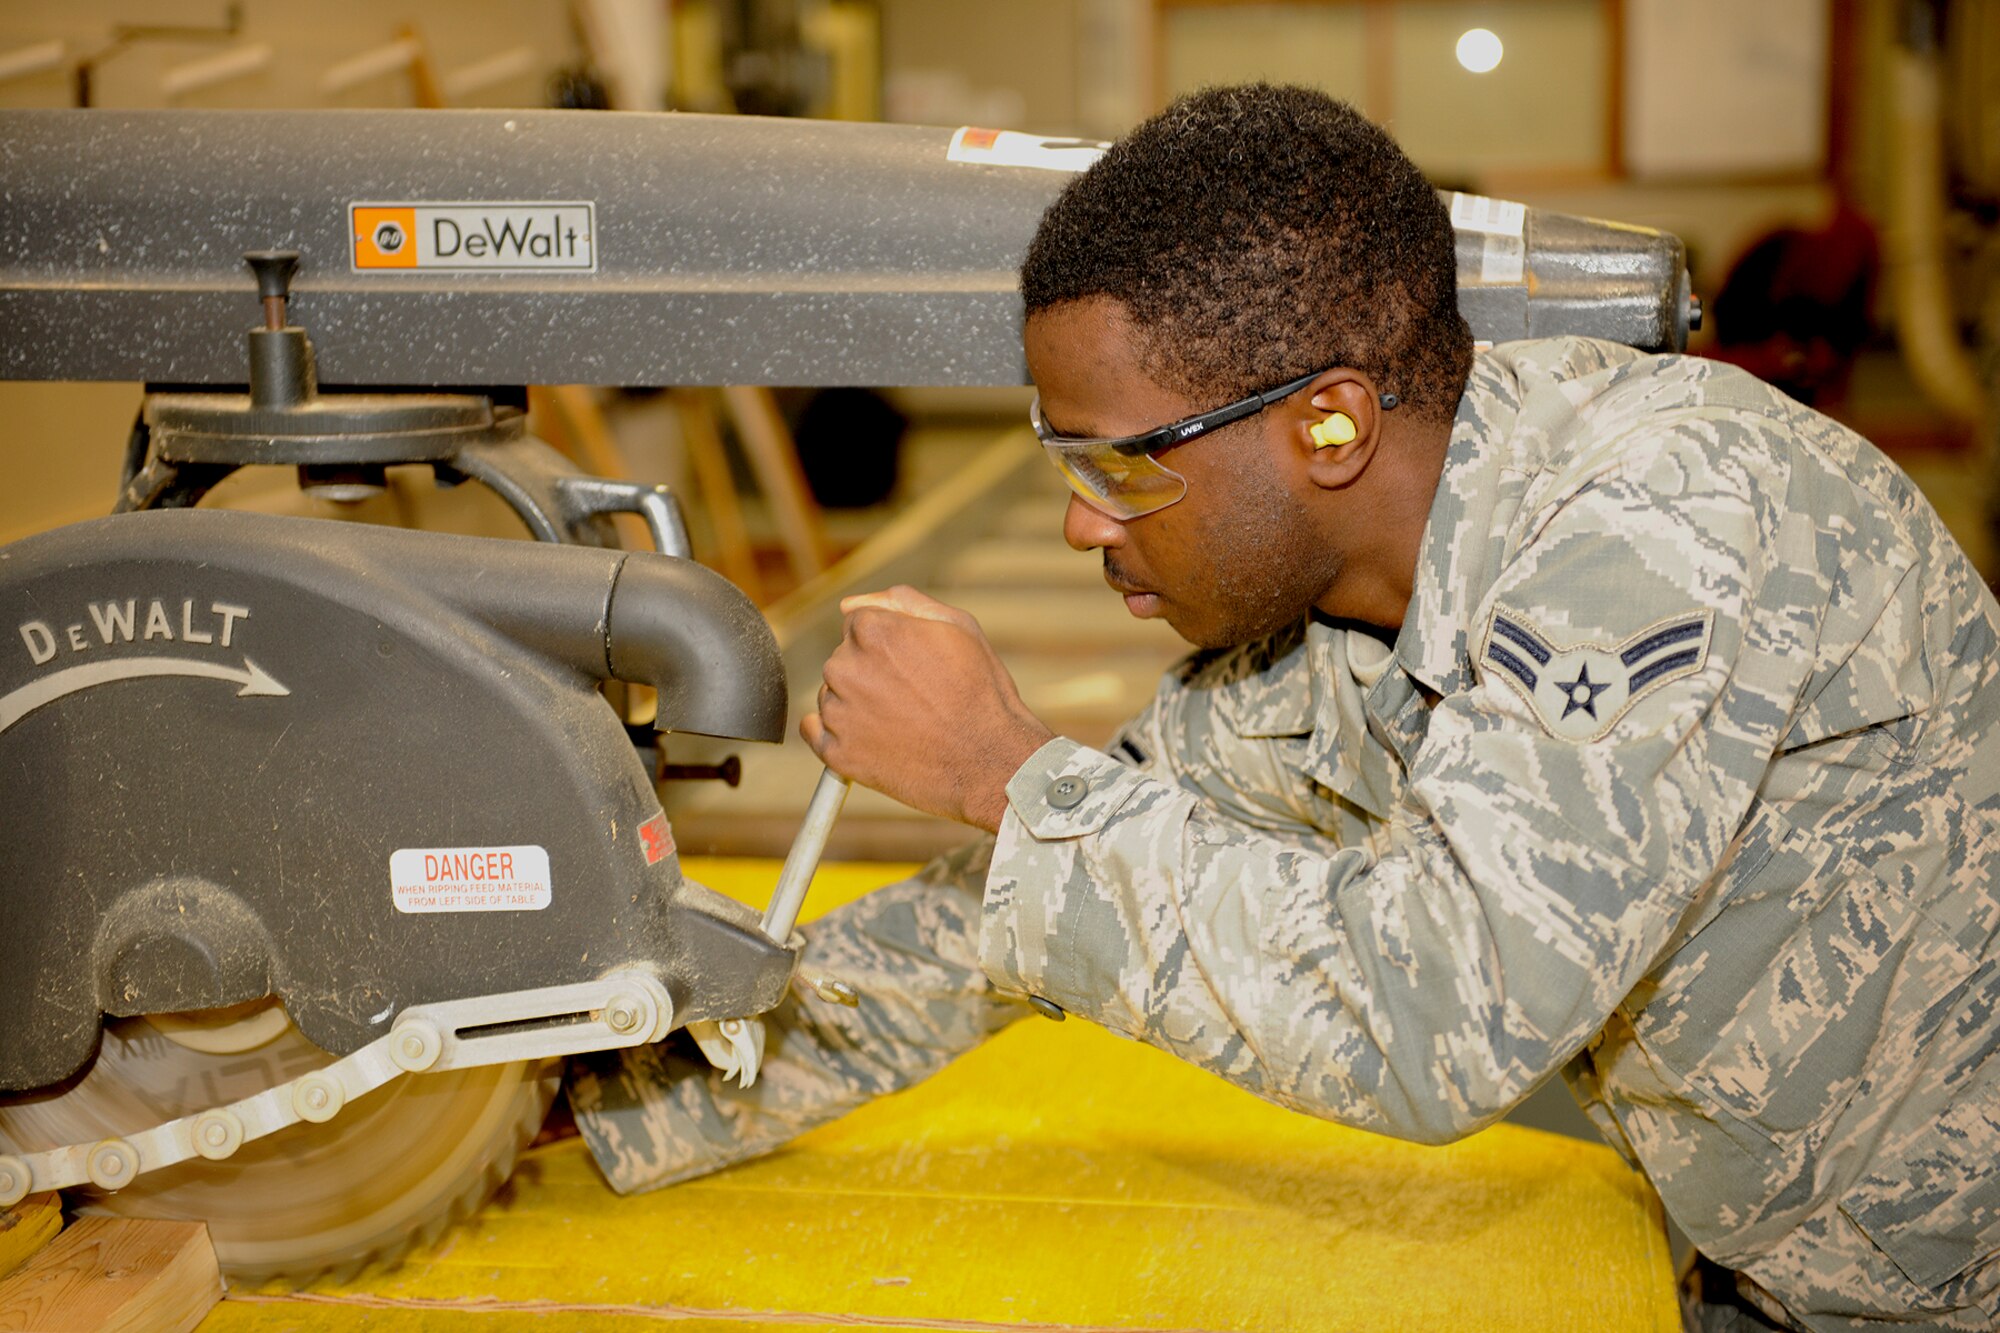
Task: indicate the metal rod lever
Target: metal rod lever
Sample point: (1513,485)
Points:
(803,859)
(735,1046)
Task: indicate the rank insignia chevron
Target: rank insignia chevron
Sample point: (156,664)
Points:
(1579,691)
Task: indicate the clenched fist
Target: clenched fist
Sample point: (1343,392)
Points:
(917,705)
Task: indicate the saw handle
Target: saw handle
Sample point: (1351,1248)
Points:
(803,859)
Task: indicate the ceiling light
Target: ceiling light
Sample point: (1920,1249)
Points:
(1479,50)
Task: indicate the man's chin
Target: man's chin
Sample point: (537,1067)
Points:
(1220,631)
(1201,635)
(1204,634)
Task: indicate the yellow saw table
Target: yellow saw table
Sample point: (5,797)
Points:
(1058,1179)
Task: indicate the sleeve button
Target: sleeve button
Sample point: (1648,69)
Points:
(1067,793)
(1048,1009)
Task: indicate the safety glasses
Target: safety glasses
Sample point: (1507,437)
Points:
(1121,477)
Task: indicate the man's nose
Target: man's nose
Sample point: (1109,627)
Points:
(1085,529)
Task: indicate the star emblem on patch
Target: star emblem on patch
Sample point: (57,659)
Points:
(1578,691)
(1581,694)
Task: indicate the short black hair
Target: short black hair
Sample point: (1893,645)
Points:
(1257,233)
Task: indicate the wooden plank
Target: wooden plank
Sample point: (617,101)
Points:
(767,442)
(942,522)
(581,431)
(26,1227)
(1023,562)
(702,434)
(425,91)
(1062,623)
(115,1275)
(906,837)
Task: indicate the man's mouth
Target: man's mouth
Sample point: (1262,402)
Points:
(1144,605)
(1138,601)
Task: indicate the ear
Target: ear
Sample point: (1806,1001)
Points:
(1334,466)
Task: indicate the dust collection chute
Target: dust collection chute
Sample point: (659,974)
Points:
(323,845)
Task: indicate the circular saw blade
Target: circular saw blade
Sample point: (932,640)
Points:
(392,1171)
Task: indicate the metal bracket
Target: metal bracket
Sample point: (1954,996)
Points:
(735,1046)
(624,1008)
(584,498)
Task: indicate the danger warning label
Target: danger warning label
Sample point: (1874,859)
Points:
(470,879)
(657,839)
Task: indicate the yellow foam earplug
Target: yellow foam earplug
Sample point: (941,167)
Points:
(1336,429)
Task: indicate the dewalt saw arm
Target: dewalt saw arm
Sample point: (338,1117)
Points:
(549,247)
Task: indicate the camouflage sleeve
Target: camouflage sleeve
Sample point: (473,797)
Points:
(659,1114)
(1555,824)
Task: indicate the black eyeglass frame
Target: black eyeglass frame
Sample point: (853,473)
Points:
(1187,428)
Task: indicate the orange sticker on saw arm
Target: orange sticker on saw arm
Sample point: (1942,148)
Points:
(385,237)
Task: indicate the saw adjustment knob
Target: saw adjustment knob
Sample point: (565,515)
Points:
(274,270)
(281,356)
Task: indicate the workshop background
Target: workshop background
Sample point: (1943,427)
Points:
(1833,166)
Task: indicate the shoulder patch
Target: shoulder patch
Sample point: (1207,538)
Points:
(1579,691)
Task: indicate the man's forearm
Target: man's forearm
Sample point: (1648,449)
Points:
(659,1114)
(1360,989)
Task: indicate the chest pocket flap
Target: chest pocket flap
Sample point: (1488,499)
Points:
(1872,668)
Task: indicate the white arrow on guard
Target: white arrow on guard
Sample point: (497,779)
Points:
(13,707)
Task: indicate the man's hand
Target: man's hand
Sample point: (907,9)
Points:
(917,705)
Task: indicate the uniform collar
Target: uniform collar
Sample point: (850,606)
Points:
(1460,555)
(1342,752)
(1301,683)
(1272,694)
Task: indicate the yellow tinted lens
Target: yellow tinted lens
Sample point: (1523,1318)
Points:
(1121,484)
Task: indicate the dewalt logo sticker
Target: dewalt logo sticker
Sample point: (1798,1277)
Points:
(474,237)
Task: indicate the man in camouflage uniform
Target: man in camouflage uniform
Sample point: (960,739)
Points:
(1639,725)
